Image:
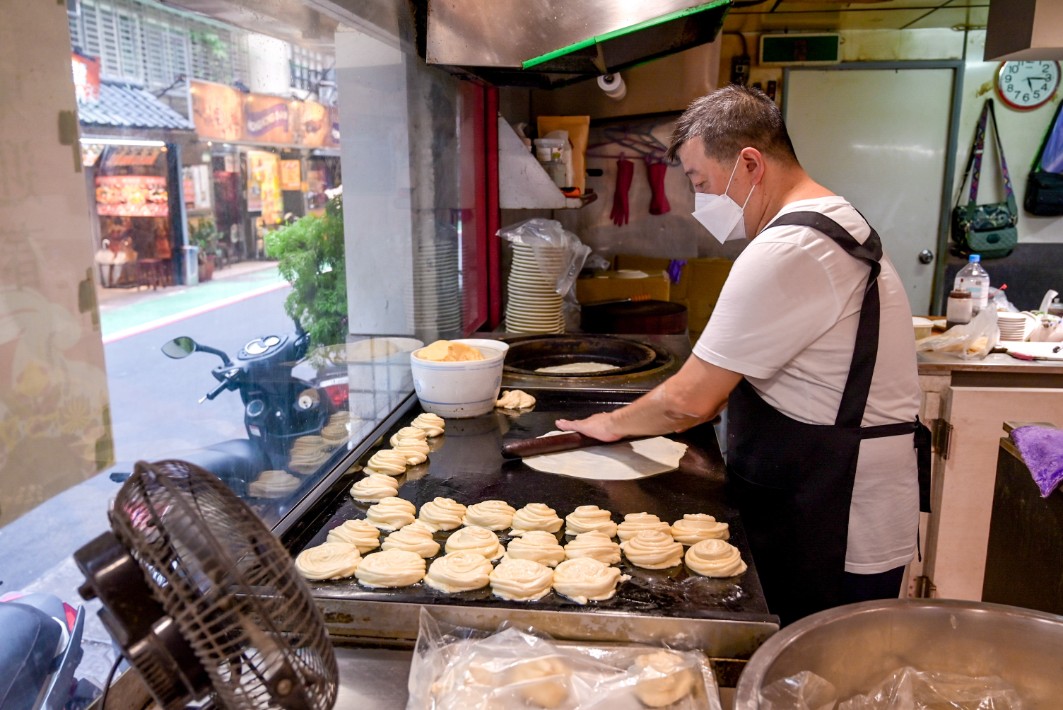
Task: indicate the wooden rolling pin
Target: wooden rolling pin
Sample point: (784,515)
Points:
(552,444)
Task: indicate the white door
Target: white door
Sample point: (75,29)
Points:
(879,138)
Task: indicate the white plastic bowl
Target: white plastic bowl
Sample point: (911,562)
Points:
(459,390)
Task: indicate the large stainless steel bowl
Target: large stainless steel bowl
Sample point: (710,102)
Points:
(856,646)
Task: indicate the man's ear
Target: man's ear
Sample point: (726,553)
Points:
(752,163)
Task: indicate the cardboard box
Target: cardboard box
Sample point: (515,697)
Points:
(606,286)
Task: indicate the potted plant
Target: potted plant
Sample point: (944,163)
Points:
(204,235)
(310,255)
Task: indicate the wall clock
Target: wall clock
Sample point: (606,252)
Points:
(1027,85)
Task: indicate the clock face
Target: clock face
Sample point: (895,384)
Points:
(1027,85)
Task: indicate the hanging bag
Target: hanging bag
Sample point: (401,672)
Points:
(987,229)
(1044,188)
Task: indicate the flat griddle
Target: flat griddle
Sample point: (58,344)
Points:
(727,617)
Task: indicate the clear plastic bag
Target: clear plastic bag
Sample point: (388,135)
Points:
(801,691)
(456,668)
(545,236)
(910,689)
(970,341)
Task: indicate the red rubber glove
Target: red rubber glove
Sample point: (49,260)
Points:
(625,171)
(656,171)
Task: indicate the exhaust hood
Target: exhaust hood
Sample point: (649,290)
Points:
(1024,30)
(549,43)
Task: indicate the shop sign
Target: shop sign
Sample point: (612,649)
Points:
(225,114)
(264,185)
(314,124)
(269,119)
(196,185)
(291,175)
(86,78)
(217,111)
(131,196)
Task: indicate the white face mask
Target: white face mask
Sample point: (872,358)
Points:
(720,214)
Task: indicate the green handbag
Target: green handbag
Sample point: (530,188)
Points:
(987,229)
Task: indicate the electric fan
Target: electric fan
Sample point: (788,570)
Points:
(203,599)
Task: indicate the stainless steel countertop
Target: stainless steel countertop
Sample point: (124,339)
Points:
(941,364)
(372,678)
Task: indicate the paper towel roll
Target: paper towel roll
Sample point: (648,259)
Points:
(613,85)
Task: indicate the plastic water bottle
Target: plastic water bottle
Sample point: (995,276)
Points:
(974,279)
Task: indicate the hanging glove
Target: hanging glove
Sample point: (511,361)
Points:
(625,171)
(655,172)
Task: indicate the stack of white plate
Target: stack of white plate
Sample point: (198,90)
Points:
(533,306)
(1012,326)
(436,293)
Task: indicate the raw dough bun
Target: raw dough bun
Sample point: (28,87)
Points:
(595,545)
(459,572)
(414,450)
(541,682)
(442,513)
(476,539)
(491,514)
(391,568)
(330,560)
(408,432)
(521,580)
(515,399)
(431,424)
(590,517)
(414,537)
(273,484)
(637,522)
(387,461)
(715,558)
(652,549)
(663,678)
(695,527)
(537,545)
(335,431)
(375,486)
(585,579)
(359,533)
(535,516)
(391,513)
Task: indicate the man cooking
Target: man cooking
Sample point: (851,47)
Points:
(810,348)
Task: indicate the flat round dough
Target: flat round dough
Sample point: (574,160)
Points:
(363,535)
(595,545)
(585,579)
(391,513)
(577,368)
(535,516)
(476,539)
(637,522)
(537,545)
(459,572)
(491,514)
(652,549)
(442,513)
(613,462)
(414,537)
(586,518)
(390,568)
(407,433)
(387,461)
(521,580)
(374,487)
(330,560)
(664,678)
(541,682)
(715,558)
(432,424)
(695,527)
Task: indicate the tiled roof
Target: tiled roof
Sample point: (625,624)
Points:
(125,106)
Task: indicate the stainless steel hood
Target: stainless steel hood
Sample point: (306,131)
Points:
(549,43)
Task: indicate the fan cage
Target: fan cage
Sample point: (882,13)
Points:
(230,586)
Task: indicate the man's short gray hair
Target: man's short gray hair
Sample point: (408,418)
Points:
(730,119)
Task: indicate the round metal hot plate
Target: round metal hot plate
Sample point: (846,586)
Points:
(529,353)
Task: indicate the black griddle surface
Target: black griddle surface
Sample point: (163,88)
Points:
(466,464)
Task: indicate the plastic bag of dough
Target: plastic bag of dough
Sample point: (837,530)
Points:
(970,341)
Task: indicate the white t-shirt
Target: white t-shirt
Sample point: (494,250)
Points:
(786,320)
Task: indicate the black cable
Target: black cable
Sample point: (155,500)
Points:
(107,683)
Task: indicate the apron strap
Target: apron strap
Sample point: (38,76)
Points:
(865,351)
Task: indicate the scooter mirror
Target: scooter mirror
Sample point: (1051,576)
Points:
(179,347)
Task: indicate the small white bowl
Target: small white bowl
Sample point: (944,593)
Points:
(458,390)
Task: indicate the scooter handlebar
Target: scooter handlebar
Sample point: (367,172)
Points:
(222,386)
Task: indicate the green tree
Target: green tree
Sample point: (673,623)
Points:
(310,255)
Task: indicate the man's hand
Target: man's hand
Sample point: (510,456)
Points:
(597,426)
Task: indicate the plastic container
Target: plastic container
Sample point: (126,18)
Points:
(549,149)
(959,309)
(975,280)
(458,390)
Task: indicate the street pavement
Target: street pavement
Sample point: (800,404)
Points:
(35,549)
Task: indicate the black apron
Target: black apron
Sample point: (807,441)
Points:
(793,482)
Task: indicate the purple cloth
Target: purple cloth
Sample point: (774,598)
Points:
(1042,450)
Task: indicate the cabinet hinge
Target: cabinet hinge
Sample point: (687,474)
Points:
(942,431)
